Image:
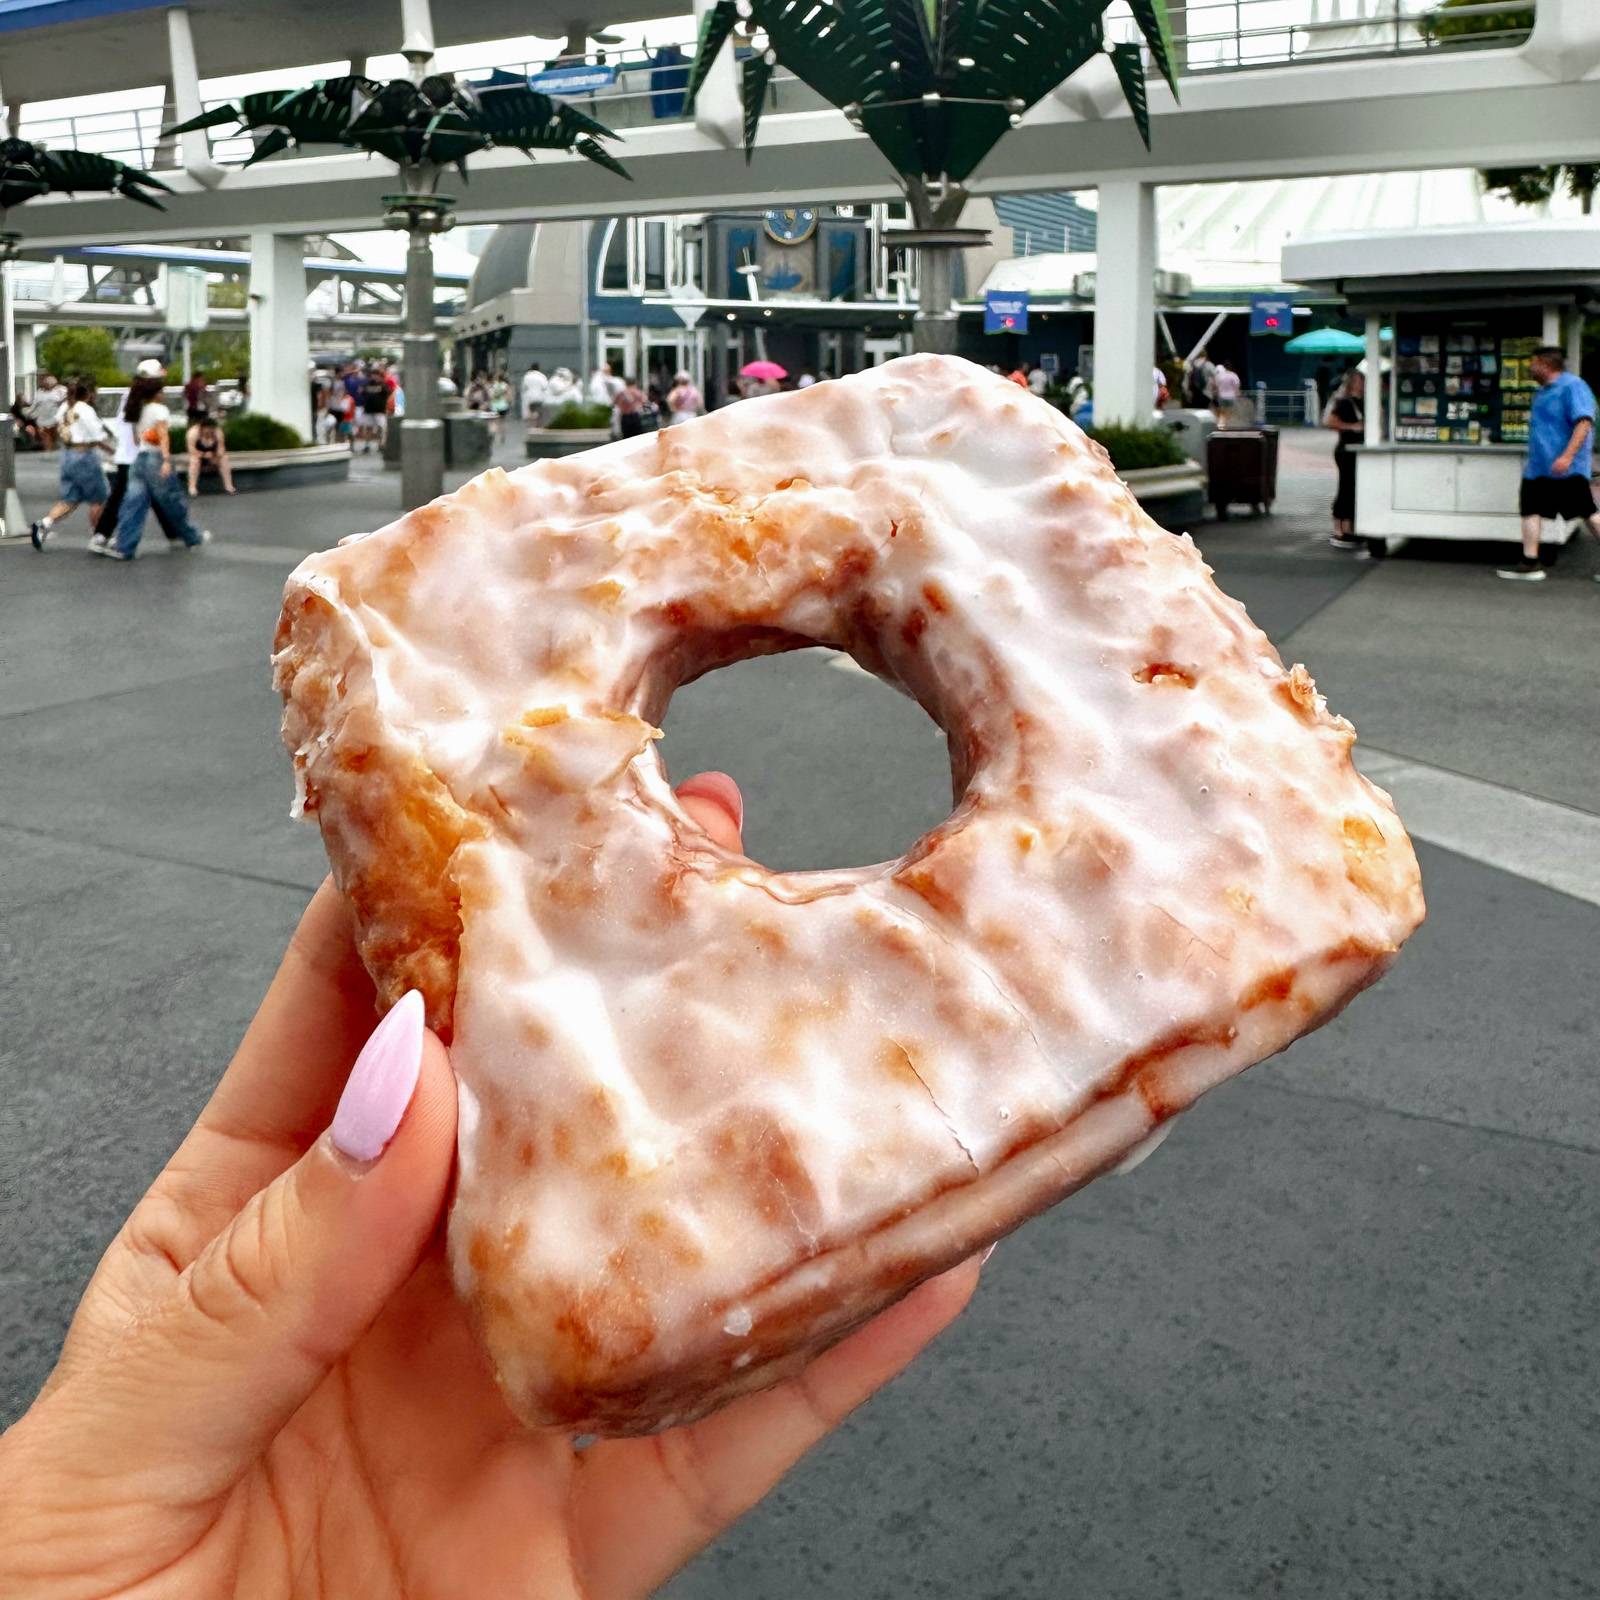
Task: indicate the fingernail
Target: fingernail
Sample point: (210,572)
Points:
(381,1082)
(717,786)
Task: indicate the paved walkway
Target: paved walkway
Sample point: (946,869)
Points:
(1338,1339)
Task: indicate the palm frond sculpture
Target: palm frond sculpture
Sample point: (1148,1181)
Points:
(934,84)
(421,127)
(28,170)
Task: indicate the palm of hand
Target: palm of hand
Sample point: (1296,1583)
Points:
(395,1470)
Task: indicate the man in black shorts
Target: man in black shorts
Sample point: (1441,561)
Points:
(374,406)
(1556,480)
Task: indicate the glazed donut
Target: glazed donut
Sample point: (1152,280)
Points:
(712,1116)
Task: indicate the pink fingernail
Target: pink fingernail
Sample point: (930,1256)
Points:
(717,786)
(381,1082)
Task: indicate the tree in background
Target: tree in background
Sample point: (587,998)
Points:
(423,127)
(223,352)
(81,352)
(1538,186)
(1439,25)
(935,85)
(1523,186)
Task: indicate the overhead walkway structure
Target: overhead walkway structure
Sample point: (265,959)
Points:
(1270,89)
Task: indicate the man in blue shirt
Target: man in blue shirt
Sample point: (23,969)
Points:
(1556,479)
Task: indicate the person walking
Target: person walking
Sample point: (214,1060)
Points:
(374,408)
(629,409)
(1225,386)
(499,403)
(604,385)
(1347,416)
(150,477)
(535,391)
(194,395)
(83,478)
(684,400)
(1557,475)
(49,402)
(125,445)
(1197,379)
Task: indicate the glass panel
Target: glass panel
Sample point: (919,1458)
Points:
(655,257)
(614,259)
(844,259)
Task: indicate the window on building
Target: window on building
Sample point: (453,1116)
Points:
(614,258)
(688,251)
(654,275)
(843,259)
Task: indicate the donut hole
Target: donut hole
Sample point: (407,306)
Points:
(837,768)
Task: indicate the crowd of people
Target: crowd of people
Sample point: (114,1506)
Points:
(353,403)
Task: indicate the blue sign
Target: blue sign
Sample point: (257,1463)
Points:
(1005,313)
(1050,363)
(575,79)
(1271,314)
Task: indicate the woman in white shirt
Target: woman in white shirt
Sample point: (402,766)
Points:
(83,479)
(150,479)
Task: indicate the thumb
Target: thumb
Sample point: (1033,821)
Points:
(301,1272)
(714,801)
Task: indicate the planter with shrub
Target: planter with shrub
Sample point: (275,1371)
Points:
(1170,487)
(267,454)
(576,426)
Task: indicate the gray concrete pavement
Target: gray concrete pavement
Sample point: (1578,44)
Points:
(1335,1340)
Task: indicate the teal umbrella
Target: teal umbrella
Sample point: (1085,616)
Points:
(1332,342)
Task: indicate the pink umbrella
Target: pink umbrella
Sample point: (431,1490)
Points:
(763,369)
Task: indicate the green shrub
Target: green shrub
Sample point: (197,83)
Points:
(580,414)
(255,432)
(1439,24)
(247,432)
(1133,448)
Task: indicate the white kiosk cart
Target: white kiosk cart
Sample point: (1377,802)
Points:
(1442,458)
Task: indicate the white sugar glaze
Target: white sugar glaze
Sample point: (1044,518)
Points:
(696,1092)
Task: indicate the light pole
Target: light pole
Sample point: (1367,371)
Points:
(13,524)
(422,213)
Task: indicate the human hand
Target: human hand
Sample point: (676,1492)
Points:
(166,469)
(270,1389)
(1562,464)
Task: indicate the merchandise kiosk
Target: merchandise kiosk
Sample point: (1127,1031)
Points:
(1447,425)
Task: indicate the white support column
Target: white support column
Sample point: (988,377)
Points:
(1552,325)
(1574,339)
(280,352)
(718,112)
(25,348)
(1374,404)
(1125,304)
(416,34)
(194,148)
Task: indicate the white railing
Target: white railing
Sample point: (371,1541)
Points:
(1211,36)
(1230,35)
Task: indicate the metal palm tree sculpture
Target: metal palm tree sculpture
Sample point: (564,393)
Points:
(935,85)
(423,127)
(27,171)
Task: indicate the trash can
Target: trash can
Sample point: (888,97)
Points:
(1242,464)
